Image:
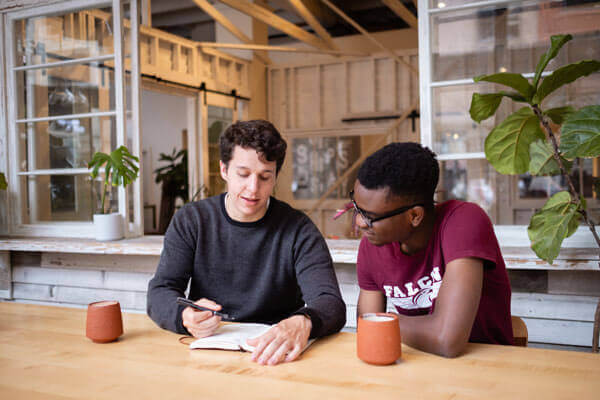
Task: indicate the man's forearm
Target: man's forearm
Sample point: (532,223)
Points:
(162,306)
(328,315)
(426,333)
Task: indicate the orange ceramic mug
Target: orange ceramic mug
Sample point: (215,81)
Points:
(104,323)
(378,338)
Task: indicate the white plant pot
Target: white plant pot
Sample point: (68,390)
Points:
(108,226)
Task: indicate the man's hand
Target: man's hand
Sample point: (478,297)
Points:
(201,323)
(282,343)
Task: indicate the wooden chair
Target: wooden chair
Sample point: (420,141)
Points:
(519,331)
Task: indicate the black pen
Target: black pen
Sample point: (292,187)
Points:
(189,303)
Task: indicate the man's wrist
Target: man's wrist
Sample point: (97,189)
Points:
(306,313)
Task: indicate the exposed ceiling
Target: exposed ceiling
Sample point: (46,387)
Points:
(185,18)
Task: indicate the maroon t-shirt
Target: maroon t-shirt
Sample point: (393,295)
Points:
(411,283)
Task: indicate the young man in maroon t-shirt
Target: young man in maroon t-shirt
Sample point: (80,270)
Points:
(439,265)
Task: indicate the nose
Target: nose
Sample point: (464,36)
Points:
(252,185)
(360,221)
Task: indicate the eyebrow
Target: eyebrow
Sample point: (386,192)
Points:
(241,167)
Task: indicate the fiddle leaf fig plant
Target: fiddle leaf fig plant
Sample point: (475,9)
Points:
(3,183)
(543,142)
(120,168)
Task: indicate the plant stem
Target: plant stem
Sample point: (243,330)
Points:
(563,171)
(103,197)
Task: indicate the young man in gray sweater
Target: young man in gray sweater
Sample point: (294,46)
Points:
(249,255)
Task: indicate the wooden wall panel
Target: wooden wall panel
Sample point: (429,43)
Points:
(361,86)
(309,101)
(290,101)
(333,93)
(306,97)
(276,99)
(385,84)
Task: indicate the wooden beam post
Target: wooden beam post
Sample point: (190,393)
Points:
(227,24)
(280,48)
(305,13)
(370,37)
(266,16)
(146,11)
(257,107)
(400,10)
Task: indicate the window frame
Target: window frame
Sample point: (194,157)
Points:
(15,225)
(508,235)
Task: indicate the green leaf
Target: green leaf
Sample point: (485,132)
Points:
(3,183)
(557,220)
(558,115)
(507,145)
(558,41)
(120,168)
(484,106)
(580,133)
(563,76)
(542,159)
(515,81)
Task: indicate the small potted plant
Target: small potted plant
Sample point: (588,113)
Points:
(120,168)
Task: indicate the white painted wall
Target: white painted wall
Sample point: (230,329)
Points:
(163,118)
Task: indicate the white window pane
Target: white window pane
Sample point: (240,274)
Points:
(453,129)
(60,37)
(447,3)
(73,89)
(49,198)
(511,37)
(64,143)
(455,132)
(509,200)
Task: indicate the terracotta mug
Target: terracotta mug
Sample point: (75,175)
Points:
(104,323)
(378,338)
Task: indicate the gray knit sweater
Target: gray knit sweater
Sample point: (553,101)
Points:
(262,271)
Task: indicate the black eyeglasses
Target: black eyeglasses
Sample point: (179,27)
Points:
(370,221)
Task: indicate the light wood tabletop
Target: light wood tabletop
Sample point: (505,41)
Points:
(44,354)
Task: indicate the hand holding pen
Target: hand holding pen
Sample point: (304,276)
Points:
(201,318)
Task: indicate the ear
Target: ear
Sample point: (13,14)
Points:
(223,169)
(416,215)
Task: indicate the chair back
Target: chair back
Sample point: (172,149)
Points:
(520,333)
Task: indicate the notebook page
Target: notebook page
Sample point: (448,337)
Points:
(231,337)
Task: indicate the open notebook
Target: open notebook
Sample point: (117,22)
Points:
(233,337)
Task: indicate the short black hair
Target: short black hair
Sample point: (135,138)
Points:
(256,134)
(407,169)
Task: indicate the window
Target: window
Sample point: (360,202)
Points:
(68,97)
(462,39)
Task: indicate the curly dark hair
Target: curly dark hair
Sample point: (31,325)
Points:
(257,134)
(407,169)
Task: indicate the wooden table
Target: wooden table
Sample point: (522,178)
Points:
(44,354)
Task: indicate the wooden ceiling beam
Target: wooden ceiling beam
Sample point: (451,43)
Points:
(266,16)
(370,37)
(280,48)
(227,24)
(305,13)
(400,10)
